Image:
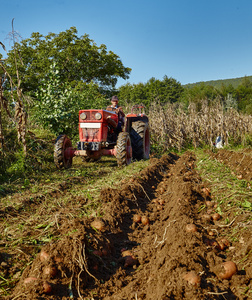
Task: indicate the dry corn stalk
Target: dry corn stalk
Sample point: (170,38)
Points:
(20,115)
(1,125)
(172,127)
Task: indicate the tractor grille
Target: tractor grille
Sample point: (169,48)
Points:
(90,115)
(90,134)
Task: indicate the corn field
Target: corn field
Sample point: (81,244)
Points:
(174,128)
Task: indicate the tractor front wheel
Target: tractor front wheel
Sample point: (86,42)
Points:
(123,149)
(140,137)
(61,160)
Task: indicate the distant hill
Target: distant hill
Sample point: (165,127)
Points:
(218,83)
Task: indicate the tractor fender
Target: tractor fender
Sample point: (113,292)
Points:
(111,121)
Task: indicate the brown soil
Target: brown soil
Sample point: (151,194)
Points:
(88,263)
(239,162)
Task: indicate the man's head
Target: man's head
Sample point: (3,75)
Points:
(114,101)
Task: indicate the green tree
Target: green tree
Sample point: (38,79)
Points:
(133,94)
(164,91)
(57,104)
(167,90)
(243,93)
(200,92)
(78,59)
(226,90)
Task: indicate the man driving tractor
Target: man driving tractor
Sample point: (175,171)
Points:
(118,109)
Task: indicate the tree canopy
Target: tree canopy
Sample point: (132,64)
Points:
(239,97)
(78,59)
(58,104)
(164,91)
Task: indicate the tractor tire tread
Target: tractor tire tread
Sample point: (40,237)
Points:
(121,151)
(137,135)
(59,152)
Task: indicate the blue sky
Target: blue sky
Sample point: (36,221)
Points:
(189,40)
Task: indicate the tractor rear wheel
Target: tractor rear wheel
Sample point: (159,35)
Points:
(60,146)
(123,149)
(140,138)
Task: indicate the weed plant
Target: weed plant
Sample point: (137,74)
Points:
(233,195)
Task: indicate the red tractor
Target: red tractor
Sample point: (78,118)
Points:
(99,134)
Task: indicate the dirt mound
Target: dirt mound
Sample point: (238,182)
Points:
(239,162)
(141,247)
(53,267)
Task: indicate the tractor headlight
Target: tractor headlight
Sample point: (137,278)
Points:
(98,116)
(83,116)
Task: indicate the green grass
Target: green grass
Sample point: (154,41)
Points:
(233,197)
(83,184)
(230,192)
